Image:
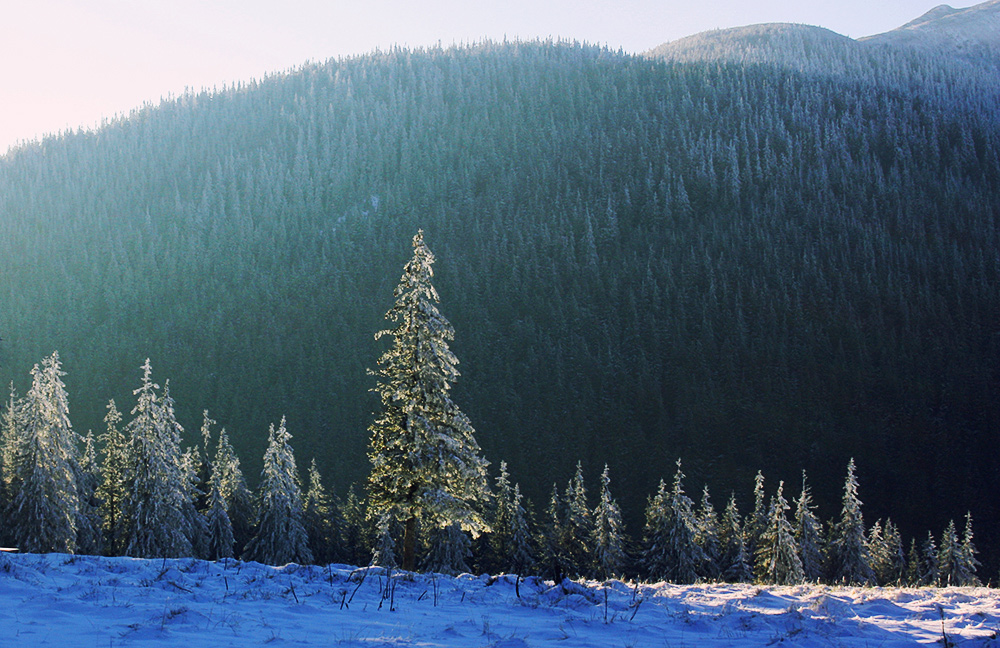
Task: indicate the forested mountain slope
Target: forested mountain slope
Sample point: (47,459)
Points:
(742,266)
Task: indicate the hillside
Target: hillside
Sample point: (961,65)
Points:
(742,267)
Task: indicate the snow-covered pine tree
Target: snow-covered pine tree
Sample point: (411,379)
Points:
(552,542)
(808,535)
(672,553)
(219,529)
(967,563)
(234,492)
(848,545)
(707,536)
(734,563)
(384,551)
(45,505)
(9,437)
(426,463)
(756,522)
(111,490)
(89,538)
(449,550)
(579,526)
(948,556)
(191,467)
(280,538)
(317,518)
(892,561)
(914,565)
(777,554)
(509,539)
(929,561)
(609,534)
(155,493)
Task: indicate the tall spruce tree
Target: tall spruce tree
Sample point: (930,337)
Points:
(579,526)
(45,507)
(756,522)
(849,556)
(426,464)
(707,536)
(671,552)
(948,558)
(89,538)
(553,539)
(509,539)
(280,538)
(317,518)
(966,561)
(609,533)
(156,500)
(220,542)
(929,574)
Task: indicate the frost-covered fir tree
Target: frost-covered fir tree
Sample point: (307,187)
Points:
(885,549)
(219,529)
(509,539)
(707,536)
(929,562)
(552,540)
(89,536)
(757,520)
(233,489)
(317,518)
(777,554)
(356,545)
(734,562)
(579,526)
(609,533)
(280,538)
(9,437)
(948,556)
(426,463)
(848,546)
(111,490)
(966,561)
(914,565)
(808,535)
(384,551)
(45,506)
(155,493)
(449,549)
(671,553)
(191,466)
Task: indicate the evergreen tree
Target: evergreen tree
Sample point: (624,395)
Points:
(234,493)
(734,564)
(111,490)
(808,535)
(317,515)
(280,538)
(191,468)
(609,537)
(929,574)
(579,526)
(948,556)
(552,540)
(777,554)
(966,562)
(9,437)
(89,539)
(757,520)
(219,528)
(510,539)
(384,553)
(914,565)
(356,548)
(450,548)
(890,565)
(426,464)
(45,507)
(155,493)
(707,536)
(671,552)
(848,545)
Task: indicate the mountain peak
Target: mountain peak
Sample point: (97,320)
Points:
(970,32)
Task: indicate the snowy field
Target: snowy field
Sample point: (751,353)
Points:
(60,600)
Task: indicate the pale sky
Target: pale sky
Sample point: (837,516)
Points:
(66,64)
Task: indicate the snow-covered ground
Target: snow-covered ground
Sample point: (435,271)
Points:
(80,601)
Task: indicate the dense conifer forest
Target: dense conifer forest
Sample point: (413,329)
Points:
(748,266)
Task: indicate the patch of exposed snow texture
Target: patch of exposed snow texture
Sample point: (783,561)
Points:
(62,600)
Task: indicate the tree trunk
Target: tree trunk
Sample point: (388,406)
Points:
(410,544)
